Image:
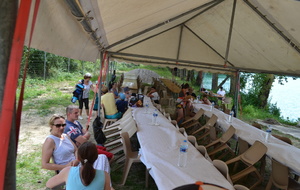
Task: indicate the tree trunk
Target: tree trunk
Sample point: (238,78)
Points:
(214,83)
(199,79)
(265,90)
(182,74)
(226,78)
(232,84)
(8,13)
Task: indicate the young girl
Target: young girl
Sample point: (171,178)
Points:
(84,177)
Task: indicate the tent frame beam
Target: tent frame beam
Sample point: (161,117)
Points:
(210,65)
(159,63)
(272,25)
(230,33)
(207,44)
(214,2)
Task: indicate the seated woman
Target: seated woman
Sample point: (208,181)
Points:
(205,100)
(153,95)
(85,176)
(58,146)
(109,103)
(181,103)
(62,149)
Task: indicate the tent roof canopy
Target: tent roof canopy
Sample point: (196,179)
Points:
(216,36)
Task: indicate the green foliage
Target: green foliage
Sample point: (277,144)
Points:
(46,65)
(274,110)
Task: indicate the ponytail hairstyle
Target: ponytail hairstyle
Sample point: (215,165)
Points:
(87,154)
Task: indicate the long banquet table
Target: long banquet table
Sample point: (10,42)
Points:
(284,153)
(160,149)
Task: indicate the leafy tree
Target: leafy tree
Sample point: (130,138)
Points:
(258,89)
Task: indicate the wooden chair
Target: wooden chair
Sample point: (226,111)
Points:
(243,146)
(221,143)
(203,151)
(227,101)
(280,177)
(106,122)
(284,139)
(193,120)
(240,187)
(192,139)
(205,129)
(223,169)
(182,131)
(115,145)
(256,125)
(249,158)
(174,122)
(130,157)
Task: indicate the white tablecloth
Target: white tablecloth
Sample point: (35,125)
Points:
(284,153)
(160,149)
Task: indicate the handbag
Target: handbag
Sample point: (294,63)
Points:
(98,133)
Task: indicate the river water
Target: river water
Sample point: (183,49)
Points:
(286,96)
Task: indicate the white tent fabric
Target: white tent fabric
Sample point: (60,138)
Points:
(191,34)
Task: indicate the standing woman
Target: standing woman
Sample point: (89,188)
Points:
(85,176)
(58,146)
(86,92)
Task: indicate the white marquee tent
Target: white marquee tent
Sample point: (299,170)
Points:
(217,36)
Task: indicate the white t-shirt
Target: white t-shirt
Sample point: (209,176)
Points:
(222,93)
(86,91)
(155,96)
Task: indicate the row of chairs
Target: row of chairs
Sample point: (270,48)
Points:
(118,134)
(211,146)
(247,154)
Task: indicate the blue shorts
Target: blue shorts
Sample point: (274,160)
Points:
(115,116)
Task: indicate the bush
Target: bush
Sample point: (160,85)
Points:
(274,110)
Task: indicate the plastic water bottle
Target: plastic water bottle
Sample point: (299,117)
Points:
(183,154)
(269,131)
(154,118)
(230,116)
(198,99)
(147,106)
(212,106)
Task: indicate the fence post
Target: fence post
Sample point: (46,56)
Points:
(45,62)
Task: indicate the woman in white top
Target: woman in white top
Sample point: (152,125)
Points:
(153,95)
(86,92)
(61,149)
(58,146)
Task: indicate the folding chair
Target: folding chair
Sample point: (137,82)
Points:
(223,169)
(221,143)
(203,151)
(130,157)
(193,120)
(249,158)
(280,177)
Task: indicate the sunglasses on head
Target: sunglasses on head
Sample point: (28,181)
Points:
(59,125)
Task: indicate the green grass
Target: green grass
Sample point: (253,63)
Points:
(251,113)
(29,172)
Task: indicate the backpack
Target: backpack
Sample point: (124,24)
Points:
(98,133)
(77,93)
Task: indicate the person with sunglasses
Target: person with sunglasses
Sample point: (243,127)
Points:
(58,146)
